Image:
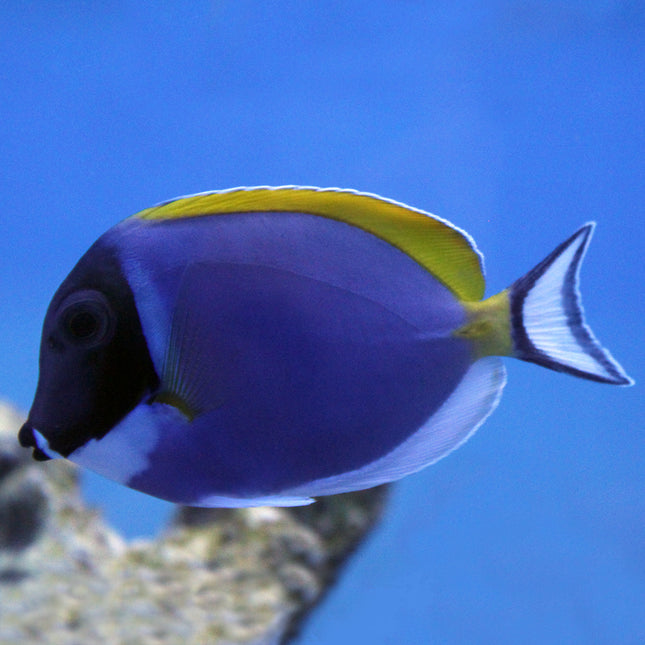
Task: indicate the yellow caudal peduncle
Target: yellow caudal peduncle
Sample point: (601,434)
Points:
(488,326)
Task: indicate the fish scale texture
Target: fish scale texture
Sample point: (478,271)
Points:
(215,576)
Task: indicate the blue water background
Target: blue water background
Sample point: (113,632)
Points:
(516,120)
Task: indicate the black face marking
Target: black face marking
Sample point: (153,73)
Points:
(94,361)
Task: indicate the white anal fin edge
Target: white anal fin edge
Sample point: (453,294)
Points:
(476,396)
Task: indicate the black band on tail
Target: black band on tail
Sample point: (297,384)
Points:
(547,318)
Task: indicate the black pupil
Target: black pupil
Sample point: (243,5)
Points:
(83,324)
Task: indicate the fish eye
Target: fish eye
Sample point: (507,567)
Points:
(82,324)
(86,318)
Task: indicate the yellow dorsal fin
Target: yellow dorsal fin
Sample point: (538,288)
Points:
(444,250)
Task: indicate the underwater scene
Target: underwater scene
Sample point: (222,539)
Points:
(321,322)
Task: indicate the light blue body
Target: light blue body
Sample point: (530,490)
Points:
(307,348)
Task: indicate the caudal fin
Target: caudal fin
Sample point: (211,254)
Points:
(547,319)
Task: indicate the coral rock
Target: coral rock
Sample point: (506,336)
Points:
(215,576)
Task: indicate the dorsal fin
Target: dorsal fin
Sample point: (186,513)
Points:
(443,249)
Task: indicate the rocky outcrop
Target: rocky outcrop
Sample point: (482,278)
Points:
(215,576)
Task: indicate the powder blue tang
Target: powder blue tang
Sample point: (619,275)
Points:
(271,345)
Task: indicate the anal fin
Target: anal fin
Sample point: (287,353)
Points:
(476,396)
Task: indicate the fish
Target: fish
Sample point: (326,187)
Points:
(271,345)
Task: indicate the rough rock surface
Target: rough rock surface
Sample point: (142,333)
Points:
(216,576)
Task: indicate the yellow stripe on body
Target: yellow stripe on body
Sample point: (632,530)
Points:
(445,251)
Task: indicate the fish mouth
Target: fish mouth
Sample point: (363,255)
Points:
(30,438)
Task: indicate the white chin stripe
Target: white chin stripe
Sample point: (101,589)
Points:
(43,445)
(123,452)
